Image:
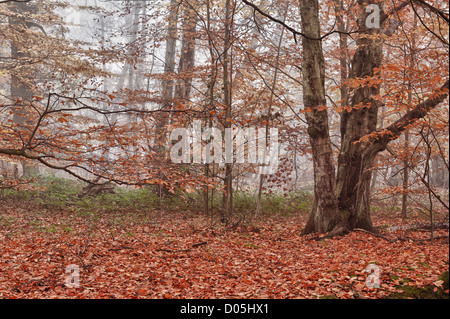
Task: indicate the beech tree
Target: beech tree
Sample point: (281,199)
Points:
(342,200)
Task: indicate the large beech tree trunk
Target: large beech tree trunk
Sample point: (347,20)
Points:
(341,203)
(361,118)
(325,215)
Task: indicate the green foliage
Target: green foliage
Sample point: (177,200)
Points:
(122,200)
(274,203)
(58,194)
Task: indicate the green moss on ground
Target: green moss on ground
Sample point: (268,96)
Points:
(427,292)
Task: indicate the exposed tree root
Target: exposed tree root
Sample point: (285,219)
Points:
(375,234)
(418,227)
(343,230)
(336,231)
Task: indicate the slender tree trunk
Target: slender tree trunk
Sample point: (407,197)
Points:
(404,212)
(132,39)
(168,82)
(22,78)
(227,200)
(187,58)
(210,105)
(375,173)
(162,119)
(269,111)
(325,215)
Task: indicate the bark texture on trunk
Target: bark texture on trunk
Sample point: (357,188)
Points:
(162,119)
(354,164)
(227,199)
(187,58)
(22,77)
(324,216)
(168,81)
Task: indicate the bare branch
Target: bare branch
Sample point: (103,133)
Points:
(18,1)
(394,130)
(294,31)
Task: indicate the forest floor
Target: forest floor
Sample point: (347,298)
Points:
(170,255)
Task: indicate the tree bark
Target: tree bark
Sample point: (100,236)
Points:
(162,119)
(187,58)
(22,78)
(269,111)
(325,215)
(354,166)
(343,50)
(227,200)
(168,82)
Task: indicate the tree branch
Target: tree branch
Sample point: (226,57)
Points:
(394,130)
(19,1)
(294,31)
(435,10)
(444,41)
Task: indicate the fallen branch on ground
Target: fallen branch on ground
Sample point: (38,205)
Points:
(182,250)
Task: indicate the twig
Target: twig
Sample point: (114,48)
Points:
(84,248)
(199,244)
(182,250)
(375,234)
(120,248)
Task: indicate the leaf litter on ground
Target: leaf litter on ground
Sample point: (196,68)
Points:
(178,256)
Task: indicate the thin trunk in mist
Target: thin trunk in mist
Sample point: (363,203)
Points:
(167,95)
(22,76)
(404,212)
(132,40)
(168,81)
(187,57)
(227,200)
(272,89)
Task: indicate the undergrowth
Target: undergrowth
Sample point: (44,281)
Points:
(58,194)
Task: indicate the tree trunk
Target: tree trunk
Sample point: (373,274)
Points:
(162,119)
(269,111)
(325,215)
(343,50)
(187,58)
(412,61)
(404,212)
(354,164)
(22,78)
(211,103)
(227,200)
(167,83)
